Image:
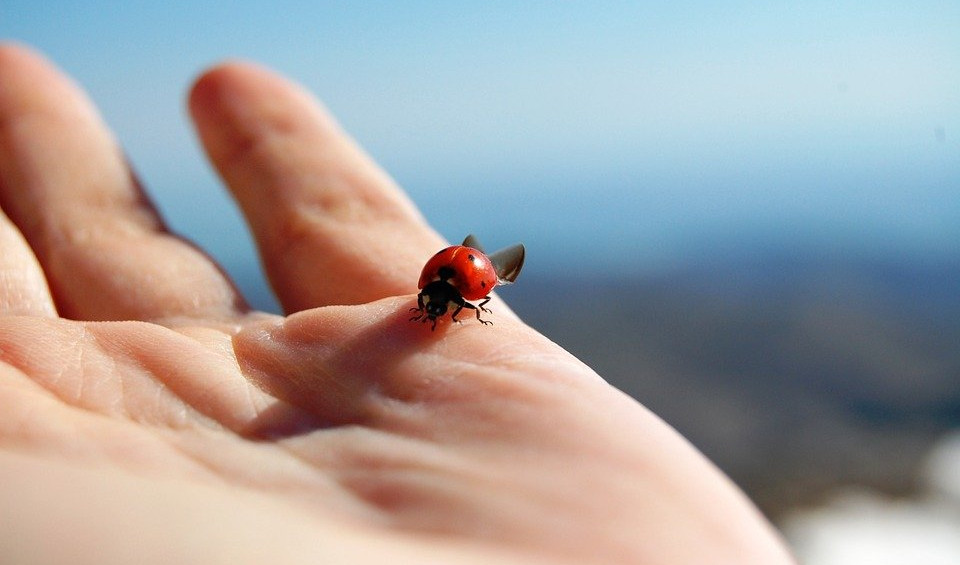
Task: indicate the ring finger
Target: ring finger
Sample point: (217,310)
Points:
(66,185)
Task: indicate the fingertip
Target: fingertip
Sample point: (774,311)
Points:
(13,54)
(238,88)
(237,104)
(211,87)
(27,76)
(213,95)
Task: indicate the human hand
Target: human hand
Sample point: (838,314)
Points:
(147,415)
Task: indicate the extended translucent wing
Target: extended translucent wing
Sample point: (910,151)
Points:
(472,241)
(508,262)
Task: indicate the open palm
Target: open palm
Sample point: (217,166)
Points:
(147,415)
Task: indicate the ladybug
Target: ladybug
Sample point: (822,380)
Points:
(464,272)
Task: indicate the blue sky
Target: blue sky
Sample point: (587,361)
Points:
(592,131)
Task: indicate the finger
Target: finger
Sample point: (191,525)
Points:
(333,362)
(23,290)
(66,185)
(331,227)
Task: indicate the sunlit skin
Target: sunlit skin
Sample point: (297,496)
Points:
(148,416)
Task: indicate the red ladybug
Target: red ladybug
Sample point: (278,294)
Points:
(464,272)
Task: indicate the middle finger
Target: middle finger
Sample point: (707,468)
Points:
(332,228)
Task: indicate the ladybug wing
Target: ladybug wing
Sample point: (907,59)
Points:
(472,241)
(508,262)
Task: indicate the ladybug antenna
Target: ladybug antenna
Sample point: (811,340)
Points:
(472,241)
(508,262)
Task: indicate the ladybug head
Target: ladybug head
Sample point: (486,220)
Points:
(436,308)
(436,298)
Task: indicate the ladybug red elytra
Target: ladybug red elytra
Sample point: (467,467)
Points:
(464,272)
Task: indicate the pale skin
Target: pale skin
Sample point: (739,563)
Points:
(148,416)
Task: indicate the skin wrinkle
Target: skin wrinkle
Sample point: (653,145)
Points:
(181,414)
(457,376)
(409,415)
(286,187)
(196,469)
(84,425)
(203,460)
(165,441)
(395,490)
(119,346)
(265,362)
(169,409)
(76,364)
(220,344)
(327,213)
(286,417)
(257,139)
(458,393)
(539,365)
(114,345)
(401,495)
(314,474)
(298,232)
(376,411)
(215,390)
(207,409)
(383,455)
(378,472)
(463,373)
(24,382)
(117,211)
(213,472)
(120,397)
(256,408)
(101,222)
(192,291)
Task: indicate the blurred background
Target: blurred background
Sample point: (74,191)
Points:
(746,215)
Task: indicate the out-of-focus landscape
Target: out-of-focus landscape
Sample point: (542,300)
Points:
(745,215)
(798,375)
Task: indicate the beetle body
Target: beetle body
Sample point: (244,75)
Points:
(460,273)
(466,269)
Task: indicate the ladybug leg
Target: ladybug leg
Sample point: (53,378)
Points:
(477,310)
(457,311)
(419,309)
(484,322)
(461,304)
(485,300)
